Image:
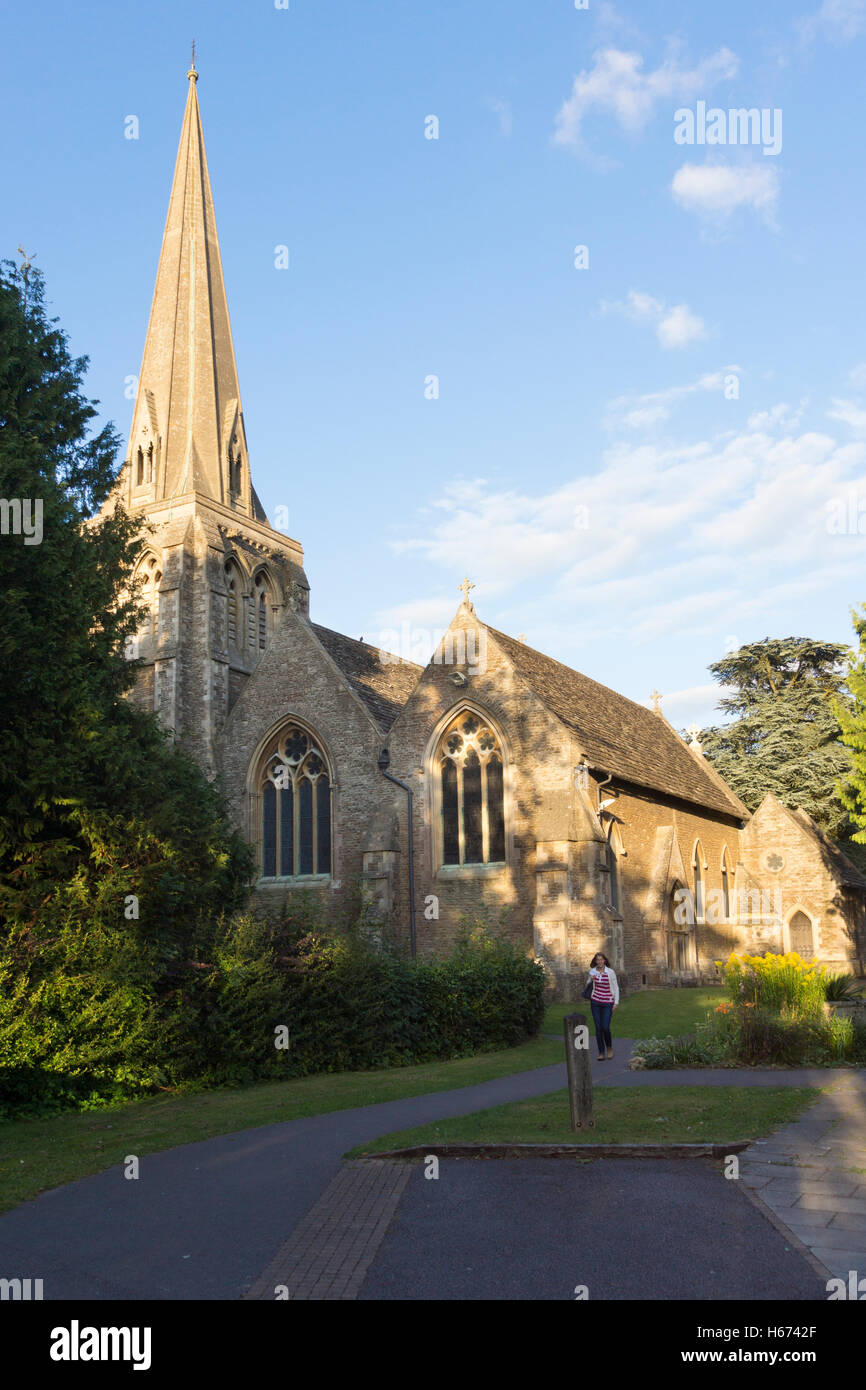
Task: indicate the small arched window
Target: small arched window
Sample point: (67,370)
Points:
(260,613)
(614,853)
(727,885)
(139,467)
(151,576)
(234,590)
(469,767)
(295,790)
(234,467)
(698,867)
(148,476)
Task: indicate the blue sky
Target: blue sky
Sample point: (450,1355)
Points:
(639,463)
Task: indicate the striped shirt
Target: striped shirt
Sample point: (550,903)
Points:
(601,986)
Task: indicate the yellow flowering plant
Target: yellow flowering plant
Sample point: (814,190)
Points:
(785,984)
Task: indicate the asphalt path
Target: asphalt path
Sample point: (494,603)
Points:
(548,1229)
(203,1220)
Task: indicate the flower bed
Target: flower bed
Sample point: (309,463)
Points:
(774,1016)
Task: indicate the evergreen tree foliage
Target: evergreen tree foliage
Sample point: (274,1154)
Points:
(787,695)
(851,715)
(97,806)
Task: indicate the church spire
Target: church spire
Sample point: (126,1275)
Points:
(187,428)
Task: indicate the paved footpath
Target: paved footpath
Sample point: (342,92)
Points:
(812,1176)
(211,1220)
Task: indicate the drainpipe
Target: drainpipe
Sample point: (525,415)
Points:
(384,762)
(599,785)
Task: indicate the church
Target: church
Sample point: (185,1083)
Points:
(495,782)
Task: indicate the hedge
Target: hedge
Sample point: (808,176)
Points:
(76,1032)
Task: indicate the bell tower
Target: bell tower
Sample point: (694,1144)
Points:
(217,576)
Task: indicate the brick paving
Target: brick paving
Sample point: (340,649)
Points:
(328,1254)
(811,1174)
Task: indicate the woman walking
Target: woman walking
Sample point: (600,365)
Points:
(603,1001)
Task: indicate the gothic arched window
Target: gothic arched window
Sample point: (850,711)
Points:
(469,767)
(234,600)
(295,790)
(148,476)
(234,468)
(727,885)
(259,613)
(151,576)
(139,467)
(698,866)
(614,852)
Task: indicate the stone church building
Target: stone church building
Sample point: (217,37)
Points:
(492,781)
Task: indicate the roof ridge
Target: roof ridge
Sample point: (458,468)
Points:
(368,646)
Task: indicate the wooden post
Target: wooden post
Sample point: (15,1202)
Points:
(579,1072)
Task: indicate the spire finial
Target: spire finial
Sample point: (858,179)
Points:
(656,699)
(192,74)
(465,587)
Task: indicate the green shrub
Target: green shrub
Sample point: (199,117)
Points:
(765,1037)
(88,1019)
(841,987)
(688,1050)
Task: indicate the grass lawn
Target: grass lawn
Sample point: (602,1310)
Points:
(654,1013)
(623,1115)
(43,1153)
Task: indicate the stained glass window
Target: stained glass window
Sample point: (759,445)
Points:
(472,792)
(295,807)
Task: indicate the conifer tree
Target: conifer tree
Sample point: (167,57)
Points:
(786,698)
(97,806)
(851,715)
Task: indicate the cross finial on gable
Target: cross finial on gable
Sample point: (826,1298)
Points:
(656,699)
(465,587)
(521,636)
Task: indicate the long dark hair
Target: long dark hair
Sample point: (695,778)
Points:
(592,964)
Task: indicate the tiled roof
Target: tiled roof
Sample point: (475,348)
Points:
(839,864)
(618,735)
(383,686)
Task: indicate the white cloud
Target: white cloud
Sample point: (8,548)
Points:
(836,20)
(643,305)
(694,538)
(715,191)
(617,86)
(610,21)
(636,411)
(857,376)
(781,417)
(850,413)
(675,327)
(679,327)
(695,705)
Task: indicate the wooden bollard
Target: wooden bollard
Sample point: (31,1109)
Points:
(579,1071)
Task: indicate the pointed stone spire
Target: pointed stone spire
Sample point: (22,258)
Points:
(187,428)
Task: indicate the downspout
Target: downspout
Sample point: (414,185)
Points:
(598,787)
(383,762)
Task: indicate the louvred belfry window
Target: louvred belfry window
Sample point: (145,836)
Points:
(469,762)
(259,613)
(295,807)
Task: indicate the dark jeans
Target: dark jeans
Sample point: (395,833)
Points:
(601,1018)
